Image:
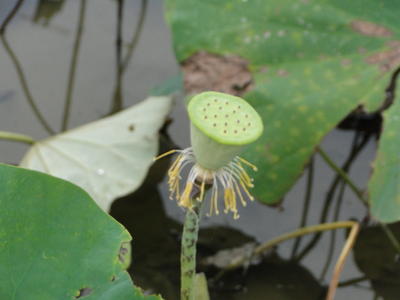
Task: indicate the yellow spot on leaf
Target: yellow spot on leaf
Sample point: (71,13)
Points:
(294,132)
(302,108)
(273,176)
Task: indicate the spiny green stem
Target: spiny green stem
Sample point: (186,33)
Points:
(188,251)
(342,173)
(16,137)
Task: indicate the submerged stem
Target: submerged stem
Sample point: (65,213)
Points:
(188,251)
(136,36)
(73,66)
(342,173)
(10,16)
(24,85)
(307,200)
(351,239)
(16,137)
(356,150)
(346,178)
(261,249)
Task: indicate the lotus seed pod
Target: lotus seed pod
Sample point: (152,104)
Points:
(221,126)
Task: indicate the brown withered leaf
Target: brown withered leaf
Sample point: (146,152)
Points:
(370,29)
(387,60)
(204,71)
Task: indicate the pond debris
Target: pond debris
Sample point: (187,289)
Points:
(370,29)
(131,127)
(123,252)
(206,71)
(225,258)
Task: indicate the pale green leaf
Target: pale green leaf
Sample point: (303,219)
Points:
(108,158)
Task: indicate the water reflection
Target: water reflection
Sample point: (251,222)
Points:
(24,85)
(73,65)
(122,62)
(6,95)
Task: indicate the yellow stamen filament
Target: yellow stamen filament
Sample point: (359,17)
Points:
(174,168)
(239,192)
(248,163)
(230,202)
(246,191)
(229,199)
(233,179)
(244,176)
(166,154)
(174,178)
(185,200)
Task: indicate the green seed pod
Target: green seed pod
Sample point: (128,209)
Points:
(221,126)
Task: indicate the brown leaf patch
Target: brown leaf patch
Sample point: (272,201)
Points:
(370,29)
(282,73)
(211,72)
(387,60)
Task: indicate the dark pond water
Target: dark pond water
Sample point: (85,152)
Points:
(35,65)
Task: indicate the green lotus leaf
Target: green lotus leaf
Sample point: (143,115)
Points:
(56,243)
(384,185)
(310,63)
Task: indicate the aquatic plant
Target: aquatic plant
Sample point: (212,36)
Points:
(221,126)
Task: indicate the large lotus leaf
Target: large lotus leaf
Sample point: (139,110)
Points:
(312,62)
(108,158)
(384,185)
(56,243)
(376,257)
